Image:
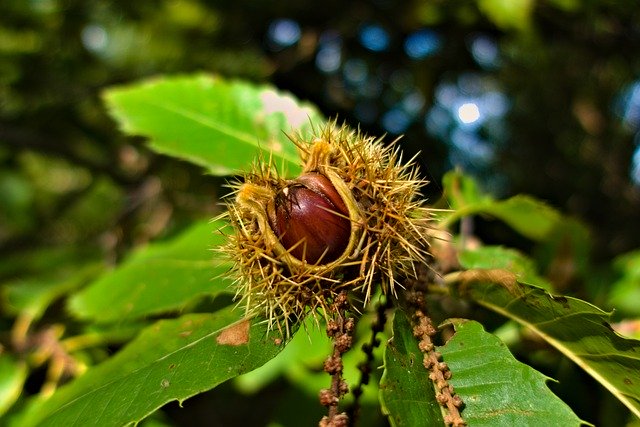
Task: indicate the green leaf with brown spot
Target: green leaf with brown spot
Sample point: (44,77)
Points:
(170,360)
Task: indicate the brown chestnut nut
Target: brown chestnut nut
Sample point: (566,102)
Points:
(310,219)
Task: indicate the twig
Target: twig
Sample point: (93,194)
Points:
(340,330)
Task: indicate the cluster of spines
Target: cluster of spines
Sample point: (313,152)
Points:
(395,219)
(394,231)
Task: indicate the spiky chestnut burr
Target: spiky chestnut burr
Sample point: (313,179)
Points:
(353,219)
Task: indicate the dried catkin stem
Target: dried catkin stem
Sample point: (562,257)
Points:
(365,367)
(439,374)
(340,330)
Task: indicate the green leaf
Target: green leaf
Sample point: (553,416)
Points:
(13,374)
(33,296)
(461,190)
(171,360)
(102,334)
(44,261)
(160,277)
(508,14)
(301,363)
(97,209)
(219,124)
(526,215)
(407,394)
(566,252)
(496,388)
(492,257)
(577,329)
(568,5)
(625,292)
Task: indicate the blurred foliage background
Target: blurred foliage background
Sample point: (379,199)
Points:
(529,96)
(539,97)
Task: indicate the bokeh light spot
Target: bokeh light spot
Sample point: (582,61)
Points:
(284,33)
(329,56)
(484,51)
(468,112)
(395,121)
(355,71)
(94,38)
(413,103)
(628,106)
(374,38)
(328,59)
(438,121)
(635,167)
(422,44)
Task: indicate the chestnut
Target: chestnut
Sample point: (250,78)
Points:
(310,219)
